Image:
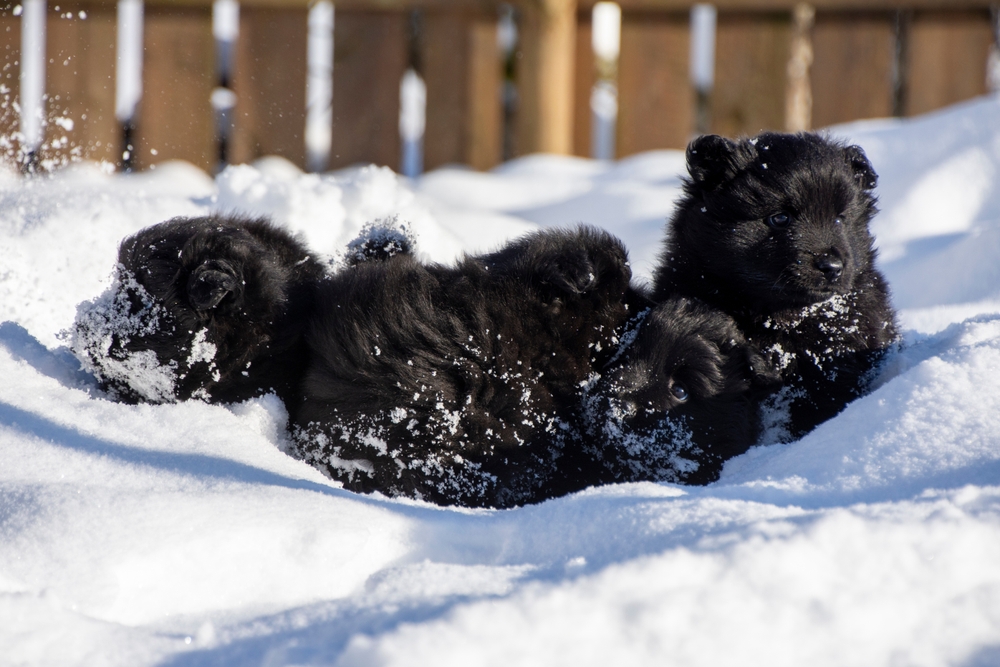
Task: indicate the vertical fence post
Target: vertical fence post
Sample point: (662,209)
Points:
(545,76)
(413,103)
(225,31)
(703,22)
(606,32)
(319,86)
(798,94)
(900,64)
(32,82)
(993,62)
(128,75)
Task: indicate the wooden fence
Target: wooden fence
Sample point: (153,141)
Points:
(869,58)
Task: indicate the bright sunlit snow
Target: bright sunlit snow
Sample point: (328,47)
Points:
(183,535)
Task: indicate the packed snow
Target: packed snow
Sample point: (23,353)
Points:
(184,535)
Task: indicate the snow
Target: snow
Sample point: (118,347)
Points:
(184,535)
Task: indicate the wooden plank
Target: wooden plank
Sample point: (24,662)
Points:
(947,59)
(80,82)
(545,78)
(789,5)
(270,85)
(175,114)
(370,56)
(10,54)
(485,113)
(651,5)
(341,5)
(752,52)
(798,88)
(852,67)
(655,97)
(586,76)
(445,46)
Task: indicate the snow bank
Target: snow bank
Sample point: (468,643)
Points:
(184,535)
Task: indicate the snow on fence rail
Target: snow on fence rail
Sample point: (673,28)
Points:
(133,82)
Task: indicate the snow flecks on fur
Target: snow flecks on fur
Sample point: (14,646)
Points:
(102,330)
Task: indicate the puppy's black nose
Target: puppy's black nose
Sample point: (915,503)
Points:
(831,265)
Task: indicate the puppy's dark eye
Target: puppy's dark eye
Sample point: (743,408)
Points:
(778,220)
(679,392)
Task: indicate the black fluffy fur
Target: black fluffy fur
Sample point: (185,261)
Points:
(517,376)
(458,384)
(803,288)
(241,285)
(676,404)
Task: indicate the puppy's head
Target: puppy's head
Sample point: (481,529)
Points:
(783,217)
(209,272)
(688,366)
(194,300)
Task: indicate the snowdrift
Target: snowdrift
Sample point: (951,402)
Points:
(183,535)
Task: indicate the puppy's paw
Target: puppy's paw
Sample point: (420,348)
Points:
(573,273)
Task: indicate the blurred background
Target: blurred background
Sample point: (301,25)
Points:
(416,84)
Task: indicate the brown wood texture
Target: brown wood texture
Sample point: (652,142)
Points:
(947,59)
(757,6)
(461,68)
(585,73)
(751,56)
(655,98)
(80,83)
(270,85)
(546,63)
(484,115)
(446,42)
(654,5)
(10,55)
(370,56)
(175,115)
(852,67)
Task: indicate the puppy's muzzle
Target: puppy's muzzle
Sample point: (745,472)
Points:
(831,265)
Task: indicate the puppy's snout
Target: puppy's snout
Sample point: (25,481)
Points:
(831,264)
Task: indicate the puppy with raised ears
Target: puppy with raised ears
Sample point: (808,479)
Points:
(675,404)
(460,385)
(774,231)
(211,308)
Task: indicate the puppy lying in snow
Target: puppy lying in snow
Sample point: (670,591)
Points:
(211,308)
(467,385)
(774,231)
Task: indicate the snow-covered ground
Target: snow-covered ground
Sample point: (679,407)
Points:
(182,535)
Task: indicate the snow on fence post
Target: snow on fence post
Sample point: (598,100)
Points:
(225,31)
(319,86)
(703,20)
(606,42)
(128,75)
(32,82)
(412,121)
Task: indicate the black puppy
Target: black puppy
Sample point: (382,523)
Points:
(675,404)
(211,308)
(774,231)
(459,384)
(518,376)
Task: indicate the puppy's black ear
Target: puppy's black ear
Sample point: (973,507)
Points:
(210,283)
(712,160)
(863,170)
